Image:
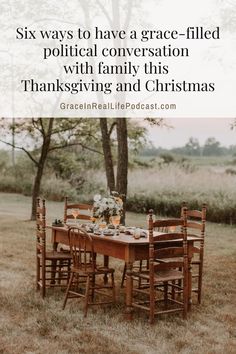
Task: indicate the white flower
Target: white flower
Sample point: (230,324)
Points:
(97,197)
(107,206)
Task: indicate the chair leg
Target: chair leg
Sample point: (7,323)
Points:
(166,294)
(37,273)
(173,290)
(68,271)
(106,264)
(140,269)
(185,298)
(93,285)
(152,304)
(123,277)
(67,290)
(86,300)
(199,293)
(61,265)
(113,288)
(54,269)
(43,289)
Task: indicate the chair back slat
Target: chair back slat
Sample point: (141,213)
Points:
(194,214)
(168,236)
(168,265)
(80,206)
(80,216)
(166,223)
(169,252)
(194,225)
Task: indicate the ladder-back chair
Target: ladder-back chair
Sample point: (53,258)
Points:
(196,225)
(161,275)
(87,272)
(140,265)
(52,268)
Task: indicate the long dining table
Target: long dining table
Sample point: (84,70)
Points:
(128,249)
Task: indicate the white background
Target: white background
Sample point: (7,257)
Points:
(209,61)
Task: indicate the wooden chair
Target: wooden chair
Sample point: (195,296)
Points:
(84,210)
(196,224)
(140,265)
(163,274)
(86,271)
(52,268)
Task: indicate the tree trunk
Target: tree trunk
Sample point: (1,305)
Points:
(122,162)
(106,145)
(40,166)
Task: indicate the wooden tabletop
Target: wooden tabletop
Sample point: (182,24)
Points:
(124,238)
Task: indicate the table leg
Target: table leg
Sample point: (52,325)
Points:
(106,264)
(129,291)
(54,262)
(54,243)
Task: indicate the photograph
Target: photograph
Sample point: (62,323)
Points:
(135,217)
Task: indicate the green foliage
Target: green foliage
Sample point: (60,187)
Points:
(57,189)
(4,160)
(220,208)
(211,147)
(193,147)
(167,158)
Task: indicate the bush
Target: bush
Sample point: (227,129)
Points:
(167,158)
(230,171)
(219,209)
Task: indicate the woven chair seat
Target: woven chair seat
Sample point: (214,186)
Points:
(161,276)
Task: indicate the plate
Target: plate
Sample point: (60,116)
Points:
(129,230)
(96,232)
(108,233)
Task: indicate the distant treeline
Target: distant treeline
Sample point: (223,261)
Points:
(212,147)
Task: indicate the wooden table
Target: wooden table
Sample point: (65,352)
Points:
(128,249)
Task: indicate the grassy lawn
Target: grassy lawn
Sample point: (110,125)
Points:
(30,325)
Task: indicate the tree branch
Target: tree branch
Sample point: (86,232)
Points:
(57,147)
(23,149)
(111,128)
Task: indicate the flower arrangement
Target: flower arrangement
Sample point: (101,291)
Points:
(107,206)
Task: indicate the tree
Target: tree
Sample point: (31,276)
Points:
(129,135)
(38,137)
(107,152)
(122,159)
(193,147)
(211,147)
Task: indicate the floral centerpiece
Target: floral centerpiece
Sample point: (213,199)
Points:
(105,207)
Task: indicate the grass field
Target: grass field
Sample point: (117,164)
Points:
(30,325)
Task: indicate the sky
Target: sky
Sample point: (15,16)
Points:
(200,128)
